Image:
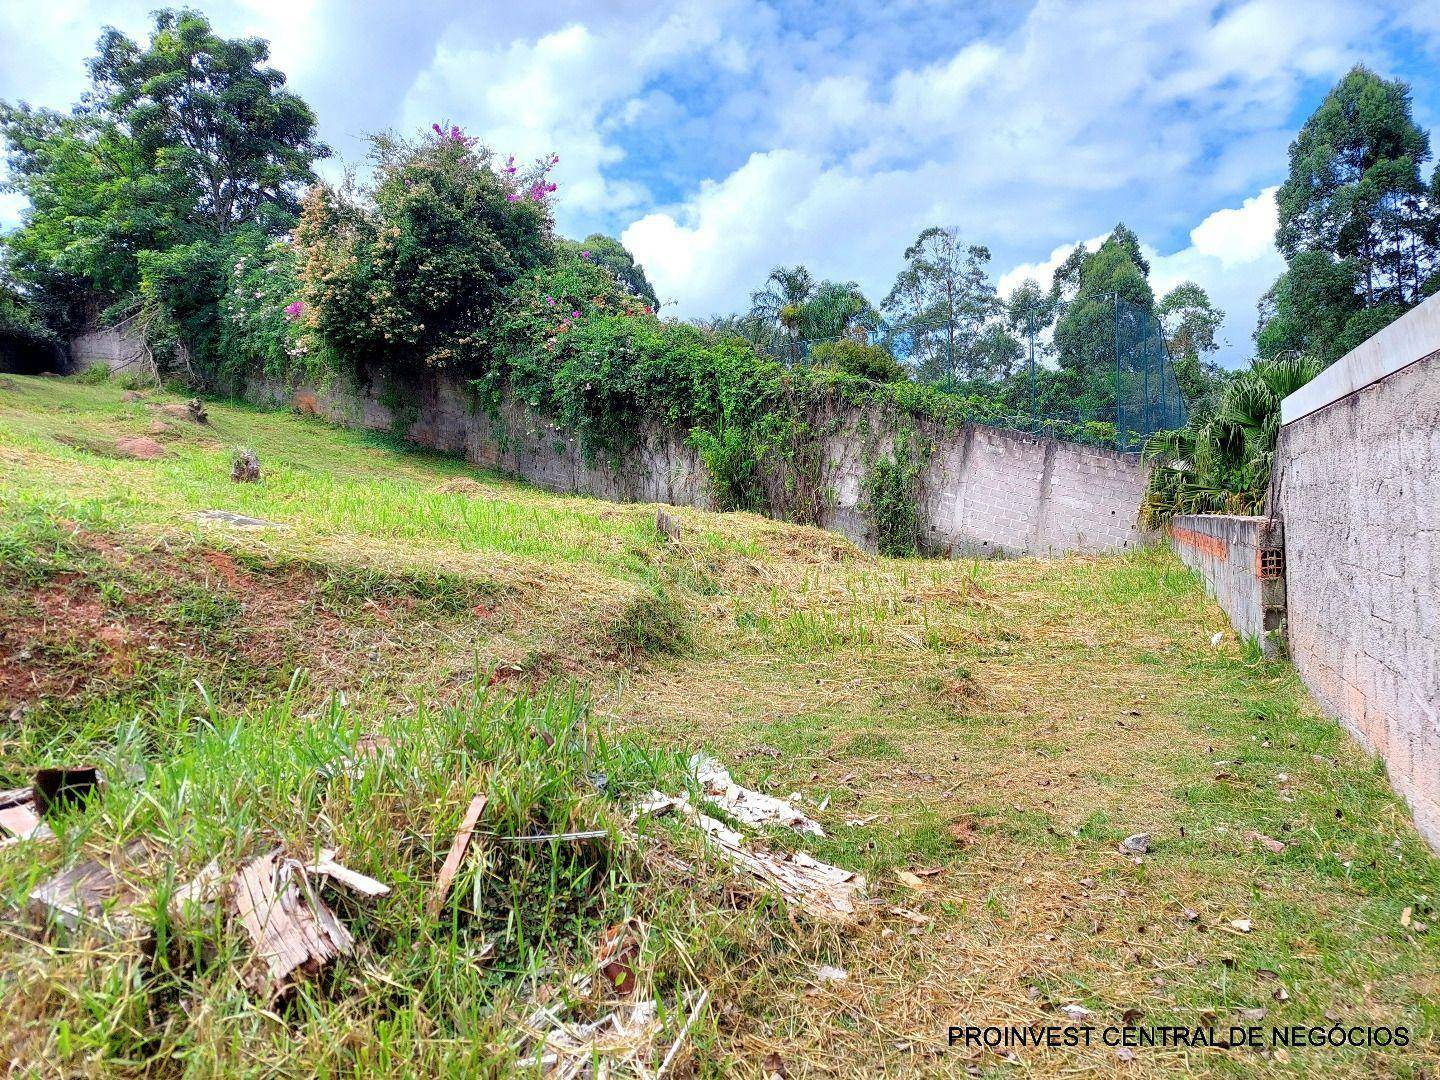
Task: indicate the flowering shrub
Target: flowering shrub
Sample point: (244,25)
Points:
(261,324)
(406,272)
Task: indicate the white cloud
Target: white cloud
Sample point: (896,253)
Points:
(1079,116)
(1043,271)
(1242,235)
(1232,254)
(565,91)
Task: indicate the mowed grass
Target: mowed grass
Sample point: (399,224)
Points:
(996,728)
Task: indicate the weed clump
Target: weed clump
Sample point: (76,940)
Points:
(655,623)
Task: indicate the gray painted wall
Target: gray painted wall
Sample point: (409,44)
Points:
(1357,483)
(118,347)
(1226,552)
(985,491)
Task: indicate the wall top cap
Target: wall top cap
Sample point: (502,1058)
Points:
(1413,336)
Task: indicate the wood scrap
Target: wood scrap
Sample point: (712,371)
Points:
(325,865)
(817,888)
(458,847)
(195,898)
(94,893)
(746,804)
(291,930)
(567,1050)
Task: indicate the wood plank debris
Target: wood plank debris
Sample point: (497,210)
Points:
(324,865)
(456,856)
(817,888)
(94,893)
(197,896)
(820,889)
(292,932)
(746,804)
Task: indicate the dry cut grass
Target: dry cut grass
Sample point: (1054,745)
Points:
(976,737)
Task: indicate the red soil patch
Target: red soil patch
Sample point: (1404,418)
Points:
(138,446)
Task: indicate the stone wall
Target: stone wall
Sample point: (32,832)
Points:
(1357,483)
(117,347)
(1242,562)
(984,491)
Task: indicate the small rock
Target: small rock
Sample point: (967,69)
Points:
(1138,844)
(131,395)
(1269,843)
(1253,1015)
(1076,1012)
(1243,925)
(827,973)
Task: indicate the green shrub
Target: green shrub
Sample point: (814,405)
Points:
(860,359)
(94,374)
(892,490)
(730,460)
(262,327)
(410,269)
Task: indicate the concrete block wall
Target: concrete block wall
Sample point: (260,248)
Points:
(1241,560)
(117,347)
(1357,484)
(986,491)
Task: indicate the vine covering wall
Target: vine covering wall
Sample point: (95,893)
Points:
(861,469)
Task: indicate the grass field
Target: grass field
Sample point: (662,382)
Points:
(975,737)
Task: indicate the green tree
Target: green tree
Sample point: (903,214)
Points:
(781,303)
(186,151)
(1104,287)
(96,200)
(798,310)
(1354,189)
(944,300)
(608,252)
(1358,227)
(1190,322)
(209,107)
(414,267)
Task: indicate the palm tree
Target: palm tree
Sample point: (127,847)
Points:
(782,301)
(1223,464)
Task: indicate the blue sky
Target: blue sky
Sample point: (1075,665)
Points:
(718,139)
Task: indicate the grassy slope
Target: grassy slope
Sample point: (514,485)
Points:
(1003,723)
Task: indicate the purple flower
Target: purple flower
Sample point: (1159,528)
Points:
(574,314)
(294,310)
(550,300)
(584,254)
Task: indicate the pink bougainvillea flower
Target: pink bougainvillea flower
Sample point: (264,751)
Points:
(584,254)
(294,310)
(574,314)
